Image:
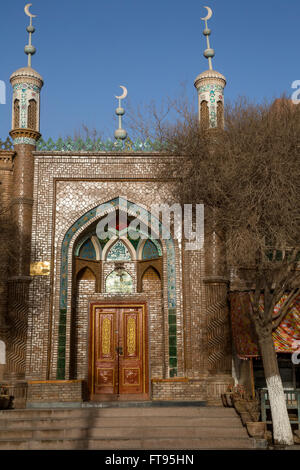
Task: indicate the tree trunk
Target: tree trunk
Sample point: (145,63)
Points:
(282,431)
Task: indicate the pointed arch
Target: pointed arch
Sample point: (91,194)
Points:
(85,271)
(151,271)
(90,217)
(142,242)
(16,114)
(109,245)
(204,113)
(86,274)
(151,280)
(78,226)
(87,250)
(32,115)
(220,115)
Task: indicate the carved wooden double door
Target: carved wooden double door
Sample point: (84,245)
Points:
(118,352)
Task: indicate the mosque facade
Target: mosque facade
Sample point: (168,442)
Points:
(87,318)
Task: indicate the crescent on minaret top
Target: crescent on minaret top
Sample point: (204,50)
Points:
(26,9)
(210,13)
(124,94)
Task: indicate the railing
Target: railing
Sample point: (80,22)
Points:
(292,398)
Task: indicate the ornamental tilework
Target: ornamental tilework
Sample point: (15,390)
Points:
(91,215)
(24,140)
(118,252)
(87,250)
(24,92)
(149,250)
(117,203)
(211,93)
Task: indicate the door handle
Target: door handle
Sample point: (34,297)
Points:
(120,351)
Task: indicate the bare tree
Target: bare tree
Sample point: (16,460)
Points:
(248,177)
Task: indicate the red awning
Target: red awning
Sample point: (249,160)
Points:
(244,336)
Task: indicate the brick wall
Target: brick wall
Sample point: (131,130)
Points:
(179,390)
(55,391)
(6,175)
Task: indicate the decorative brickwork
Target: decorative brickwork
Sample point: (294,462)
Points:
(184,326)
(6,182)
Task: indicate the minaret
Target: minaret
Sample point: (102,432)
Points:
(210,86)
(27,84)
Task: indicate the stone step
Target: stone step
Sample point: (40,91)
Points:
(130,444)
(144,421)
(210,412)
(122,432)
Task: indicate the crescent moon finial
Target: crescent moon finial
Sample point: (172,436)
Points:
(30,50)
(120,133)
(209,53)
(209,15)
(125,92)
(27,12)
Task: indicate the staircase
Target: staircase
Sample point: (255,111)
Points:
(130,427)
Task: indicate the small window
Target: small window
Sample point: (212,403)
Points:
(204,115)
(16,114)
(220,115)
(32,109)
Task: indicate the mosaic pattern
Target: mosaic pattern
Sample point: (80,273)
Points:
(119,283)
(97,212)
(118,252)
(212,94)
(88,145)
(24,140)
(26,86)
(91,215)
(87,250)
(149,250)
(24,92)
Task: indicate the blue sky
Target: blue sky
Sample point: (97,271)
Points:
(86,49)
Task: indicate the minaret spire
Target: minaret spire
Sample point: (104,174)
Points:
(30,50)
(209,53)
(210,85)
(121,133)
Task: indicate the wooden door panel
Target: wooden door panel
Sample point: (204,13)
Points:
(118,352)
(106,359)
(131,361)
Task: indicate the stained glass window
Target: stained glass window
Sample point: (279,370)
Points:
(118,252)
(149,250)
(119,282)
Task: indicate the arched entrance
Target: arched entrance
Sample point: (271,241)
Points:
(138,256)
